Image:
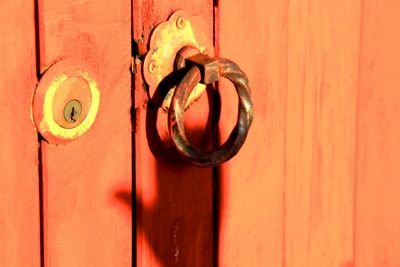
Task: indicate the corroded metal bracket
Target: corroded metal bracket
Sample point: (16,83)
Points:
(181,30)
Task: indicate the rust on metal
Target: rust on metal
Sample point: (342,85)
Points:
(208,66)
(168,38)
(195,74)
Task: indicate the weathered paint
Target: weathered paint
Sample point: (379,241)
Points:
(87,183)
(19,174)
(316,183)
(173,198)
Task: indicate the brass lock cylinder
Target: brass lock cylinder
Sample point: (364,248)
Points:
(66,101)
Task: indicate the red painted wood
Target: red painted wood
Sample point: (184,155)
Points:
(254,35)
(19,189)
(87,183)
(316,183)
(377,227)
(320,133)
(287,198)
(174,199)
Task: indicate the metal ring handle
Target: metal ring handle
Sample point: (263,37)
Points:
(231,71)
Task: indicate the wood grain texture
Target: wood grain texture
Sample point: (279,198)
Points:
(320,132)
(290,189)
(254,35)
(377,227)
(87,184)
(19,188)
(174,199)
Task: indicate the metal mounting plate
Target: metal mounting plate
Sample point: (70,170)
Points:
(181,30)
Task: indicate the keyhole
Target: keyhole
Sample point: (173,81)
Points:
(72,111)
(73,114)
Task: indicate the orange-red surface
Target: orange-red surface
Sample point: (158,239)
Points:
(316,183)
(19,183)
(87,183)
(173,199)
(377,212)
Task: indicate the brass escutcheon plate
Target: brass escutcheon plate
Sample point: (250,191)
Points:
(68,86)
(180,30)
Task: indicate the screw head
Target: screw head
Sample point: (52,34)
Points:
(72,111)
(180,23)
(152,66)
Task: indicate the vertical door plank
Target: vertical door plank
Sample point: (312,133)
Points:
(87,184)
(378,137)
(290,189)
(19,187)
(174,199)
(323,51)
(254,35)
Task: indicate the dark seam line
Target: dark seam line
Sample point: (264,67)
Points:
(40,163)
(133,144)
(40,172)
(37,38)
(215,136)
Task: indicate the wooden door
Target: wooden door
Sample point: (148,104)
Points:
(317,180)
(67,205)
(316,183)
(174,200)
(87,183)
(19,173)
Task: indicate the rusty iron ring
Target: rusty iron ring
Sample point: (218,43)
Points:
(231,71)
